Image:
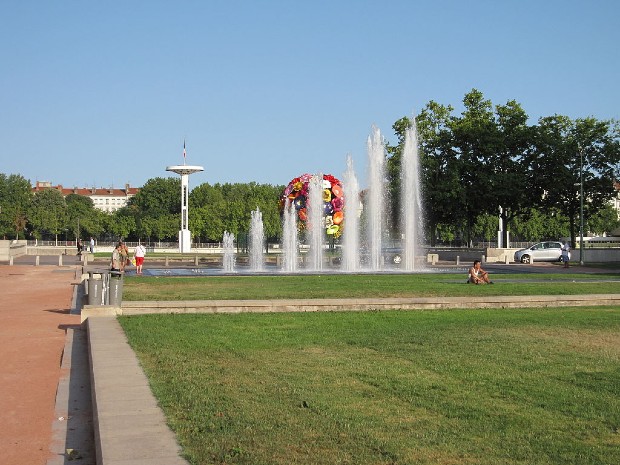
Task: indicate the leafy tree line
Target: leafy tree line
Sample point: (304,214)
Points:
(153,214)
(213,209)
(489,157)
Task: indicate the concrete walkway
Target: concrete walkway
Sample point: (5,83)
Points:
(130,428)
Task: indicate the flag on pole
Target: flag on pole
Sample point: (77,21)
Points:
(184,152)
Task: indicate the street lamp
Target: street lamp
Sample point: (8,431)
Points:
(580,206)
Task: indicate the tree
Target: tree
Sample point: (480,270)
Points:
(476,141)
(568,152)
(507,179)
(81,213)
(15,198)
(166,227)
(159,196)
(485,227)
(442,189)
(152,208)
(47,213)
(122,223)
(227,207)
(603,222)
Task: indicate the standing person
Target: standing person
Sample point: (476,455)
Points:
(92,245)
(139,254)
(566,254)
(115,264)
(477,275)
(124,251)
(79,246)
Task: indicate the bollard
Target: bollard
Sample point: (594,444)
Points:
(458,260)
(483,259)
(85,260)
(36,261)
(506,259)
(166,260)
(11,260)
(195,260)
(59,260)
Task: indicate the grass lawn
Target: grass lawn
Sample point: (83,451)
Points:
(533,386)
(362,285)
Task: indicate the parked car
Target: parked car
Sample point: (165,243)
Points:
(549,251)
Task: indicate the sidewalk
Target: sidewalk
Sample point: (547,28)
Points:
(35,320)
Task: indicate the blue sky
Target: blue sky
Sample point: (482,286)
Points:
(104,93)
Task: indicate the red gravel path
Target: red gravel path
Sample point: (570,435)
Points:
(35,304)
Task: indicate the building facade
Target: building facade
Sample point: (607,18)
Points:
(105,199)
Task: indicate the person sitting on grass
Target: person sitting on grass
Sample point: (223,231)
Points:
(477,275)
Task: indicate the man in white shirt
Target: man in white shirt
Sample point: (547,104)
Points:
(566,254)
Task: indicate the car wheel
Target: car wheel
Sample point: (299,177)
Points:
(525,259)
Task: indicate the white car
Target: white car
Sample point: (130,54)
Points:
(549,251)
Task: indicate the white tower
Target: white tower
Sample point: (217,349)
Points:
(185,237)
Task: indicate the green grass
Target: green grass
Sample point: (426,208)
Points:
(362,285)
(535,386)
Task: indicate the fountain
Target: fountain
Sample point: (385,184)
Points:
(350,239)
(316,205)
(375,204)
(411,200)
(257,241)
(290,244)
(315,223)
(228,245)
(320,206)
(315,208)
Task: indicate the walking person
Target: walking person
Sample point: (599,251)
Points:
(566,254)
(92,245)
(139,254)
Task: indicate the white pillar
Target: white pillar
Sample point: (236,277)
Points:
(500,230)
(185,236)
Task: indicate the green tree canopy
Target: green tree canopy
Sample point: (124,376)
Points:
(47,213)
(15,198)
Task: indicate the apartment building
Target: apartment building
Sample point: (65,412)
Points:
(105,199)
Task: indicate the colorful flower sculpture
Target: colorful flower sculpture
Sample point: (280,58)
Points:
(297,192)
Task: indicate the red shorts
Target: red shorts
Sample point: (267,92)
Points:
(139,261)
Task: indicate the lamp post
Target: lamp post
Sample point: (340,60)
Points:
(580,206)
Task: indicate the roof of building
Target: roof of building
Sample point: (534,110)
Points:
(88,191)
